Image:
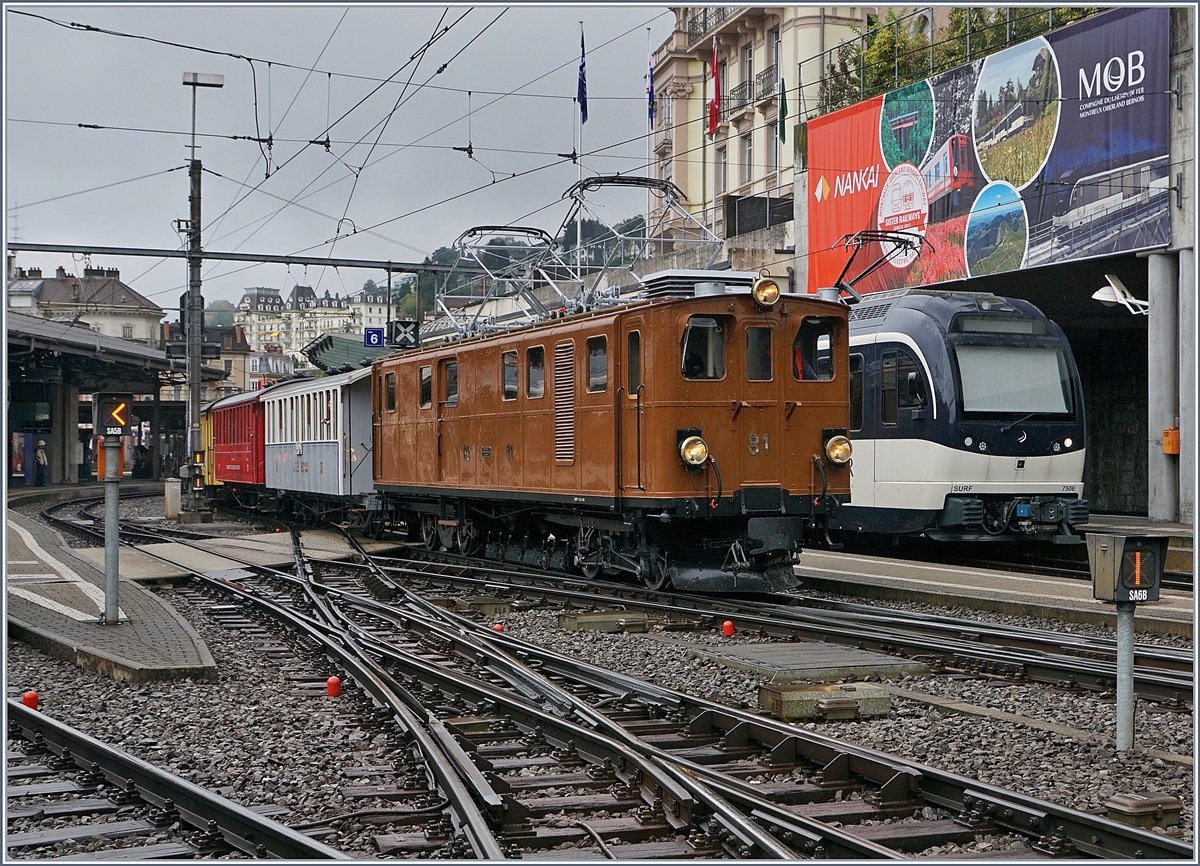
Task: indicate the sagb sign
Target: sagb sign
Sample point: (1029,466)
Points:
(1050,151)
(112,414)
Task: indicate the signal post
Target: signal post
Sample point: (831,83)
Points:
(112,419)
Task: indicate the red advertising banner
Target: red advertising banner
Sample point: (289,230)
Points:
(1052,150)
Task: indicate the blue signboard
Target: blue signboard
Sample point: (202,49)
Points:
(373,338)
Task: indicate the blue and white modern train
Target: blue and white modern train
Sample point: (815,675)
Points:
(966,414)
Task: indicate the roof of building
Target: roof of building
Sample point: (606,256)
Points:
(97,287)
(331,352)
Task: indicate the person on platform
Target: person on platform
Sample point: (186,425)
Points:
(40,463)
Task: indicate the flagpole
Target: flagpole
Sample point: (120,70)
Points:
(579,165)
(649,134)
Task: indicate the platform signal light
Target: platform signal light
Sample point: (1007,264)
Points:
(114,414)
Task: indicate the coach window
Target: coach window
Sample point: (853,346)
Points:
(508,367)
(703,354)
(535,366)
(856,392)
(426,391)
(597,360)
(812,358)
(450,382)
(389,392)
(758,354)
(634,362)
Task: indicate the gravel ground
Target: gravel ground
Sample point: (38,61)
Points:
(1048,765)
(297,755)
(247,736)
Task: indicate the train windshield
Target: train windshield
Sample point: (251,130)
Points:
(1014,379)
(703,355)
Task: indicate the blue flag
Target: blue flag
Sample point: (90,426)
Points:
(581,96)
(650,89)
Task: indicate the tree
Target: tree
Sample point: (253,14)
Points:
(219,314)
(370,287)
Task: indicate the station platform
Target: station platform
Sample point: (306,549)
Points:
(55,601)
(1006,592)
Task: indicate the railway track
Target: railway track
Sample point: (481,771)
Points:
(524,749)
(93,794)
(527,747)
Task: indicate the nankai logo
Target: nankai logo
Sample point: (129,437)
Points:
(849,183)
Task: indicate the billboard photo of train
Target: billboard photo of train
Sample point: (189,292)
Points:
(1070,130)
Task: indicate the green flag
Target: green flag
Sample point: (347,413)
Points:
(782,109)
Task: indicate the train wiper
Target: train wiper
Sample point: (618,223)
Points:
(1020,420)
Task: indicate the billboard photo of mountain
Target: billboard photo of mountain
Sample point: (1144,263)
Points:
(997,231)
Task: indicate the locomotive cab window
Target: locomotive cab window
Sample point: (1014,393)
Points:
(535,370)
(703,354)
(812,358)
(597,361)
(634,361)
(508,366)
(389,392)
(450,383)
(425,376)
(758,354)
(902,385)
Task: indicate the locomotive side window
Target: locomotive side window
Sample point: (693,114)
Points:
(597,359)
(426,392)
(703,349)
(812,359)
(856,392)
(903,385)
(508,369)
(450,382)
(389,392)
(535,367)
(634,361)
(758,354)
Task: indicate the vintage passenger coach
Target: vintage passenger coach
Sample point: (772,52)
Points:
(693,437)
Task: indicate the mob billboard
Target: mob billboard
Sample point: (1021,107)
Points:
(1052,150)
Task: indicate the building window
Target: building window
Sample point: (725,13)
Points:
(721,172)
(748,63)
(127,332)
(747,158)
(666,170)
(776,49)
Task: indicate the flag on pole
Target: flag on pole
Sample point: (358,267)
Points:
(782,109)
(714,105)
(650,88)
(581,94)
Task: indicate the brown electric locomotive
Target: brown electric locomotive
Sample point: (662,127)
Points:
(683,440)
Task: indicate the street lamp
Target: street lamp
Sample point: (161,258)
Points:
(1116,293)
(193,503)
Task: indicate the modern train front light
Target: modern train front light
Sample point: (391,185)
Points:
(765,292)
(838,449)
(694,451)
(1061,445)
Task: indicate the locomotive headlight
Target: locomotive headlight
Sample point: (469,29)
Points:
(693,450)
(1068,442)
(765,292)
(838,449)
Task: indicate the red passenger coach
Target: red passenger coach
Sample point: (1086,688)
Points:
(238,439)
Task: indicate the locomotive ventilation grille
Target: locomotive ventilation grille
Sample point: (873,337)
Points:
(877,311)
(683,285)
(564,401)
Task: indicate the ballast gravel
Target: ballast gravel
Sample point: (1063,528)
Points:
(251,738)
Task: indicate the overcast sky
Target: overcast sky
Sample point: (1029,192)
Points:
(414,194)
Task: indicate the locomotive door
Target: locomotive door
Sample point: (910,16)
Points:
(631,397)
(449,450)
(756,415)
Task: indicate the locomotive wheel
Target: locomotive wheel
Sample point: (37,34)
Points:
(429,531)
(467,538)
(588,542)
(446,534)
(654,571)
